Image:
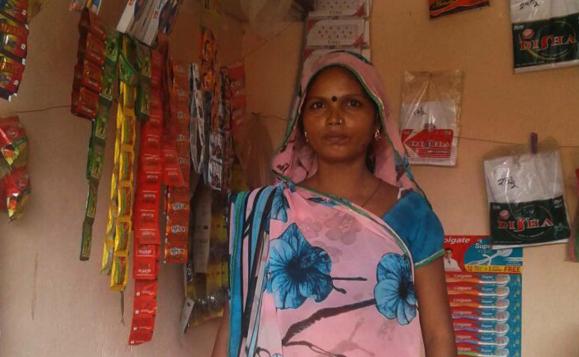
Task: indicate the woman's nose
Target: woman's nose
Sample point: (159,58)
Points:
(335,116)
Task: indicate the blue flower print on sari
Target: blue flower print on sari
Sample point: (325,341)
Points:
(395,295)
(279,206)
(297,271)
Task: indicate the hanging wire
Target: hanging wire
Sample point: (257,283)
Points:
(277,117)
(45,109)
(467,138)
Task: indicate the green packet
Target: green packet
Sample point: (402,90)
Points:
(127,70)
(96,158)
(89,216)
(100,124)
(142,105)
(110,67)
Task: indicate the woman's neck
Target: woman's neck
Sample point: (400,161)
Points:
(347,180)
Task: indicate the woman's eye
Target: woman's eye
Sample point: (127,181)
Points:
(316,105)
(354,103)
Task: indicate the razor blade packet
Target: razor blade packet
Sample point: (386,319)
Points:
(339,8)
(484,289)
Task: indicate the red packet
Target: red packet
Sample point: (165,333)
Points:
(87,104)
(16,10)
(176,252)
(145,268)
(92,76)
(12,45)
(145,288)
(147,236)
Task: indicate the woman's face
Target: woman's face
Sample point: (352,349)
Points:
(339,119)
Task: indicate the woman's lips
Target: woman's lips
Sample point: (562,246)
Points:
(336,139)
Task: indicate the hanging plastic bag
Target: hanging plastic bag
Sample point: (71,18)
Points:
(525,195)
(254,150)
(574,241)
(263,14)
(430,112)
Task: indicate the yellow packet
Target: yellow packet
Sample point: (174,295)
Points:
(123,234)
(126,162)
(119,273)
(125,200)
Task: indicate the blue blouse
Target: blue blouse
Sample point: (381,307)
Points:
(418,226)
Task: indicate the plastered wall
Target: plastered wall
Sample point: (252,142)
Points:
(51,304)
(498,105)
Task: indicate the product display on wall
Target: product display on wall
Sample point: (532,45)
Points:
(184,113)
(14,178)
(484,288)
(14,45)
(429,117)
(445,7)
(526,200)
(544,34)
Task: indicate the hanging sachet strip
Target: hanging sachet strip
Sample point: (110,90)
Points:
(88,72)
(209,77)
(13,48)
(178,189)
(97,142)
(197,125)
(147,208)
(120,227)
(87,102)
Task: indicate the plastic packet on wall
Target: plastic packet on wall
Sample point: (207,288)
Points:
(338,33)
(525,195)
(331,8)
(446,7)
(544,34)
(429,117)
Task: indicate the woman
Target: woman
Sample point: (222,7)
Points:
(343,257)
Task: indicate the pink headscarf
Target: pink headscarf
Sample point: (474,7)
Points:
(295,159)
